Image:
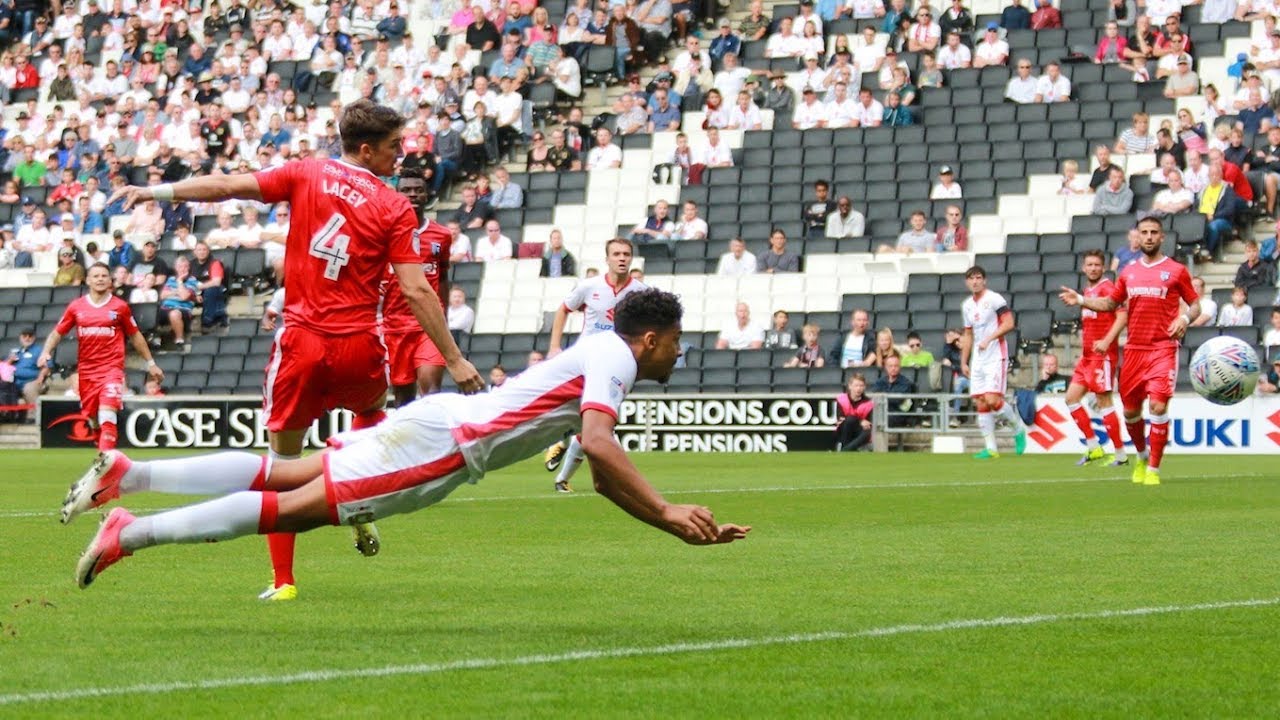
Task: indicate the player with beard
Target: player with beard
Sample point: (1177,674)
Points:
(1096,370)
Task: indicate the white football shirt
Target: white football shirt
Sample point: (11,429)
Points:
(983,316)
(597,298)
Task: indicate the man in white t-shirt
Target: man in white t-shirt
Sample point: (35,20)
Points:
(605,154)
(992,50)
(732,76)
(870,113)
(742,334)
(954,55)
(984,358)
(690,226)
(809,113)
(842,111)
(459,316)
(946,188)
(416,457)
(493,245)
(738,261)
(1022,87)
(1053,86)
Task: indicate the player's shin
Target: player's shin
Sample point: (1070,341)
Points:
(216,474)
(108,434)
(1111,421)
(1138,434)
(280,546)
(232,516)
(572,460)
(1010,414)
(1081,417)
(987,424)
(1159,438)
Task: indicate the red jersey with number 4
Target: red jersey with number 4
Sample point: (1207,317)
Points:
(433,243)
(102,330)
(346,226)
(1095,325)
(1154,294)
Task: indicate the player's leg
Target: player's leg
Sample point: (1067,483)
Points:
(1133,393)
(430,379)
(110,402)
(1160,385)
(400,364)
(429,366)
(569,464)
(1007,410)
(1075,393)
(227,517)
(1111,421)
(986,419)
(90,391)
(358,373)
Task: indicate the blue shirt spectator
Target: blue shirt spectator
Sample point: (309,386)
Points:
(502,68)
(24,358)
(393,27)
(93,223)
(1015,17)
(727,42)
(123,252)
(276,138)
(175,302)
(661,118)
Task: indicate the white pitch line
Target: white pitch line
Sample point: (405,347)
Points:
(560,497)
(419,669)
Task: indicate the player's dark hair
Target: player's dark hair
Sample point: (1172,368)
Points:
(620,241)
(975,271)
(365,122)
(1147,219)
(647,310)
(102,265)
(411,173)
(1095,252)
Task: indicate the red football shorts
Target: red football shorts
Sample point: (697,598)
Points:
(101,392)
(1148,374)
(1097,373)
(309,374)
(408,351)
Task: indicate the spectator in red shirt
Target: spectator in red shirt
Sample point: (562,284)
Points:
(1233,175)
(1046,16)
(27,76)
(854,431)
(68,189)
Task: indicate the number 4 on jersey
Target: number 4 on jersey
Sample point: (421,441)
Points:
(331,246)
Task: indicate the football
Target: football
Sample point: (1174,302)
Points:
(1224,370)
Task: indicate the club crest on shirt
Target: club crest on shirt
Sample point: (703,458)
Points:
(112,314)
(1164,277)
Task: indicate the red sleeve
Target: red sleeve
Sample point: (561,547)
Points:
(68,320)
(216,271)
(124,317)
(276,183)
(1117,290)
(400,243)
(1185,288)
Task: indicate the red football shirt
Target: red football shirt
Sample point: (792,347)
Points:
(102,330)
(1095,325)
(347,225)
(1154,294)
(433,242)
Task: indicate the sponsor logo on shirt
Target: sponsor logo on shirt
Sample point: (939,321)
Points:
(1153,292)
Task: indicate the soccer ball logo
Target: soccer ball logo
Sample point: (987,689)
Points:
(1224,370)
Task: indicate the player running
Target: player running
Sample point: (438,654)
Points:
(988,319)
(102,321)
(417,367)
(1096,370)
(418,456)
(596,297)
(347,226)
(1154,288)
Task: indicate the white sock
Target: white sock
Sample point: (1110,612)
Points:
(225,518)
(282,456)
(987,424)
(572,460)
(1011,416)
(216,474)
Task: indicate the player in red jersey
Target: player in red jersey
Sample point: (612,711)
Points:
(1155,289)
(1096,370)
(102,321)
(417,367)
(347,226)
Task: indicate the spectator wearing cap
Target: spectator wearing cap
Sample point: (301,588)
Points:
(725,42)
(149,263)
(946,188)
(1046,16)
(1053,86)
(779,98)
(845,222)
(30,378)
(393,26)
(954,55)
(992,51)
(122,253)
(809,113)
(777,258)
(1015,17)
(69,271)
(1115,197)
(1184,82)
(68,236)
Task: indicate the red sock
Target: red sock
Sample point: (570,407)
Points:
(1138,434)
(1111,421)
(1081,416)
(1159,437)
(270,512)
(107,436)
(281,547)
(367,419)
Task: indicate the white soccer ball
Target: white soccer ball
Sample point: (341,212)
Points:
(1224,370)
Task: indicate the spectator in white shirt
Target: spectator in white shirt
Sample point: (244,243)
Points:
(809,113)
(954,55)
(494,245)
(738,261)
(992,50)
(1174,199)
(742,334)
(460,247)
(715,152)
(870,113)
(692,49)
(690,226)
(1022,88)
(732,76)
(842,110)
(869,55)
(1073,183)
(745,115)
(1238,313)
(924,34)
(605,154)
(784,43)
(460,317)
(1053,86)
(946,188)
(845,222)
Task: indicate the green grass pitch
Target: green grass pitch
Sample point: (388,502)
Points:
(872,586)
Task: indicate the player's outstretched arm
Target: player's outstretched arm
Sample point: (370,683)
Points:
(1071,298)
(425,305)
(618,479)
(557,330)
(50,344)
(211,188)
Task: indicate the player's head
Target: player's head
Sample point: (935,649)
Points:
(649,321)
(98,278)
(975,278)
(1095,263)
(1150,236)
(413,187)
(371,135)
(617,253)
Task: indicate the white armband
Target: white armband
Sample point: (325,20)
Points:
(163,192)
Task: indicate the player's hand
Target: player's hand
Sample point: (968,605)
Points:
(1178,327)
(269,320)
(692,523)
(465,376)
(43,360)
(554,351)
(155,373)
(964,369)
(1069,296)
(1100,346)
(982,346)
(132,195)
